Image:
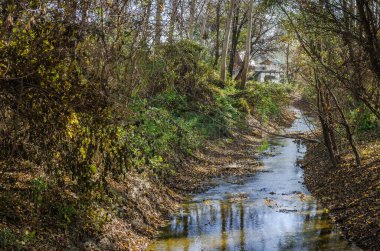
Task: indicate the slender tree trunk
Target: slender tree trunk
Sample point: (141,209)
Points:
(372,43)
(247,47)
(173,14)
(346,126)
(226,41)
(217,42)
(234,40)
(182,28)
(159,10)
(287,62)
(192,19)
(147,12)
(204,23)
(323,118)
(329,117)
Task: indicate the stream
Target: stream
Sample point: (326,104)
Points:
(270,210)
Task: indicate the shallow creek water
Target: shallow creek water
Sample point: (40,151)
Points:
(271,210)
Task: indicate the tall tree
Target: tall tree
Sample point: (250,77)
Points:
(147,12)
(226,41)
(235,33)
(159,10)
(248,43)
(204,23)
(217,36)
(192,19)
(173,13)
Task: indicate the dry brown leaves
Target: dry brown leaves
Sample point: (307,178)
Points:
(351,193)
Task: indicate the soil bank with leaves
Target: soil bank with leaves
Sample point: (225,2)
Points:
(350,193)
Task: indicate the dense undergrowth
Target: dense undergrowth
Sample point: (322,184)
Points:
(65,135)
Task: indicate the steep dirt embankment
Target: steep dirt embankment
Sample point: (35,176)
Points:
(352,194)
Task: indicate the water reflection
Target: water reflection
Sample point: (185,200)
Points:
(270,211)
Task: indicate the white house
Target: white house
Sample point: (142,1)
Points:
(262,69)
(268,71)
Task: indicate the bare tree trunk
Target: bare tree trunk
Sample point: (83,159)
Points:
(204,24)
(181,29)
(217,42)
(147,12)
(159,10)
(372,43)
(173,14)
(247,47)
(236,31)
(192,19)
(287,62)
(234,40)
(347,128)
(226,41)
(323,117)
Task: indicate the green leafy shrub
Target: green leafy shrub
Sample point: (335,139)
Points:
(225,112)
(66,214)
(173,123)
(364,119)
(11,241)
(160,130)
(178,66)
(244,106)
(267,99)
(63,119)
(39,187)
(7,239)
(263,147)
